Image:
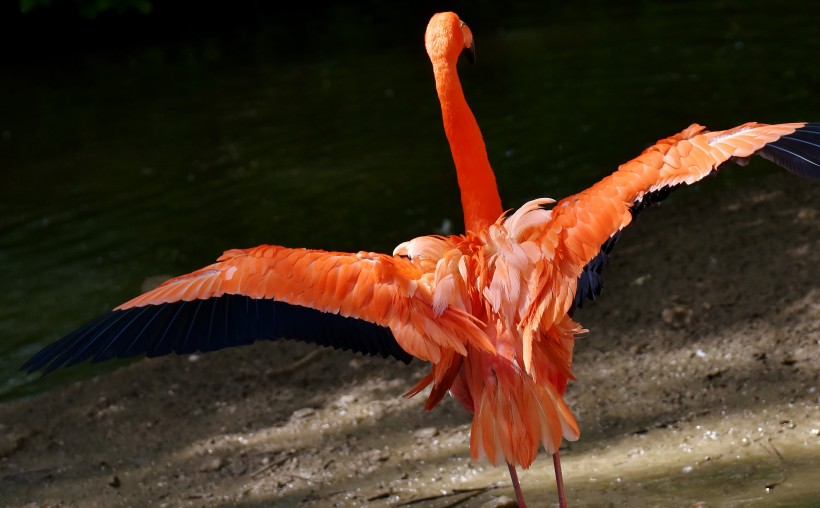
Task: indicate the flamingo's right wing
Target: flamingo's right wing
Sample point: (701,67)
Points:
(365,302)
(585,226)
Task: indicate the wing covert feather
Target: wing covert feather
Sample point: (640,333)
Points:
(365,302)
(377,288)
(587,223)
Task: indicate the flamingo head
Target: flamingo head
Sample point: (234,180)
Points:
(447,37)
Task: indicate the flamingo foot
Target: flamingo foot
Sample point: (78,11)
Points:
(519,496)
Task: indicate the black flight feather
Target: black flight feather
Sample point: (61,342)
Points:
(209,325)
(799,152)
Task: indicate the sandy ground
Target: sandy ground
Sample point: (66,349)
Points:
(697,386)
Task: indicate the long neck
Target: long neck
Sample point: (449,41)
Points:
(479,194)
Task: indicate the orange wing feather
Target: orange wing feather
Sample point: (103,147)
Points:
(378,288)
(586,220)
(583,222)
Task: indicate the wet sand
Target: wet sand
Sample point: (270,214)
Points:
(698,383)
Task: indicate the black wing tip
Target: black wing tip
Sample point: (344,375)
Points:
(590,283)
(210,325)
(651,199)
(798,152)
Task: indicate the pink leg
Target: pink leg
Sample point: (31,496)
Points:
(519,496)
(559,480)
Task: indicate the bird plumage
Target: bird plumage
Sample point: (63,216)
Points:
(491,310)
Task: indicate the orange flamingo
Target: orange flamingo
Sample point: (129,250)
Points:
(490,310)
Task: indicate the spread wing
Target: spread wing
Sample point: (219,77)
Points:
(364,302)
(586,225)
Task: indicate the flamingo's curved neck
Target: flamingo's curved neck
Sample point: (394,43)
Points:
(479,193)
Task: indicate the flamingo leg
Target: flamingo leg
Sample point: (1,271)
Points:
(519,496)
(559,480)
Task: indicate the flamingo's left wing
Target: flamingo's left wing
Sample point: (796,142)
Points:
(365,302)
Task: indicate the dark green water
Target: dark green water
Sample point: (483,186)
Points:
(120,164)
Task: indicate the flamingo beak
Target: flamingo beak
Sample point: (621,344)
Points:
(469,52)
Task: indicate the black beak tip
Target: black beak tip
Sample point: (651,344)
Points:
(470,53)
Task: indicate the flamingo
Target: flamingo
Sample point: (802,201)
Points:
(490,310)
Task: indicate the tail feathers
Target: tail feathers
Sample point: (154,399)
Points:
(798,153)
(514,416)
